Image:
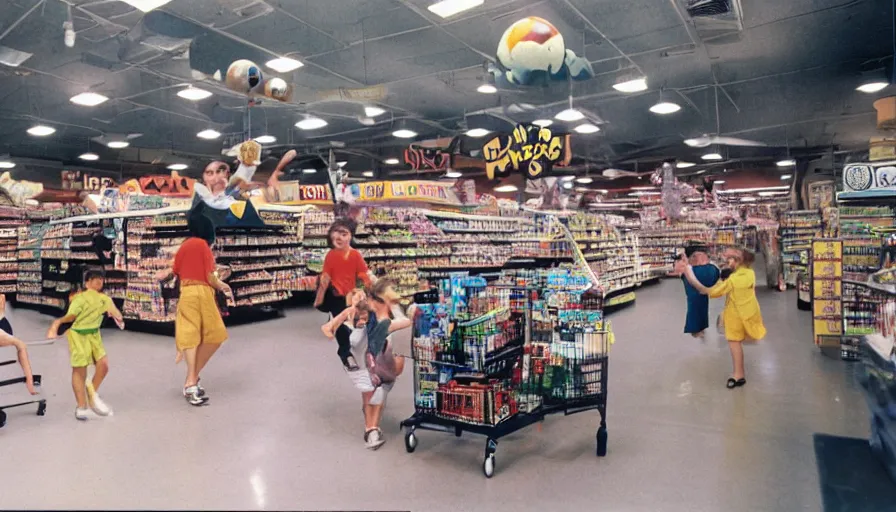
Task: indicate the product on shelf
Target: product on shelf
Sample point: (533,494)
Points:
(797,230)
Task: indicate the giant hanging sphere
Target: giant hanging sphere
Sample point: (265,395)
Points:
(277,88)
(243,76)
(530,47)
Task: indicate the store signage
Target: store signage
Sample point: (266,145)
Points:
(79,180)
(160,185)
(292,192)
(858,177)
(426,159)
(530,149)
(413,191)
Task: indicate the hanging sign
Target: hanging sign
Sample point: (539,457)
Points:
(160,185)
(530,149)
(860,177)
(293,193)
(413,191)
(426,159)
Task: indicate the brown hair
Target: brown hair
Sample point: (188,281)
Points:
(747,258)
(379,288)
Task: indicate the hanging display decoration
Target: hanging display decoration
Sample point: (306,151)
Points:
(174,185)
(243,76)
(426,159)
(867,176)
(531,149)
(19,191)
(532,52)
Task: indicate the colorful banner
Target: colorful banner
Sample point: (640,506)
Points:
(529,149)
(293,193)
(174,185)
(433,192)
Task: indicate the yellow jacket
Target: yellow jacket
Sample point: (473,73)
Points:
(740,288)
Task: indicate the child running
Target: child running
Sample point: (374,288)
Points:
(85,343)
(371,320)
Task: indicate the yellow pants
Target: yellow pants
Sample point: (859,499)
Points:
(198,320)
(85,349)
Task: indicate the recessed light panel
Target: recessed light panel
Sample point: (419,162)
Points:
(284,64)
(88,99)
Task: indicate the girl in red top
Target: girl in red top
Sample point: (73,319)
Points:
(343,268)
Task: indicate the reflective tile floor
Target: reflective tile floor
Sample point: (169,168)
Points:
(284,428)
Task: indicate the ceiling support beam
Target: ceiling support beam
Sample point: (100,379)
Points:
(21,19)
(593,27)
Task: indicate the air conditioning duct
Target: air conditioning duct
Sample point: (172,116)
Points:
(702,8)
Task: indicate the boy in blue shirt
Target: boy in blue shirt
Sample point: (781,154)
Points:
(697,319)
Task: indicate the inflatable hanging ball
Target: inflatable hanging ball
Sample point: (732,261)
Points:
(277,88)
(243,76)
(250,153)
(531,48)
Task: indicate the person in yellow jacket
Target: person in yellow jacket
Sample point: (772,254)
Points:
(741,316)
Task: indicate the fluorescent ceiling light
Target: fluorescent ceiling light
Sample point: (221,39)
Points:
(89,156)
(570,115)
(367,174)
(311,123)
(684,165)
(584,180)
(693,200)
(786,176)
(717,182)
(748,199)
(692,142)
(391,161)
(587,128)
(637,194)
(374,111)
(88,99)
(208,134)
(643,188)
(712,156)
(487,89)
(602,191)
(453,174)
(665,107)
(567,178)
(506,188)
(146,5)
(544,123)
(193,94)
(6,164)
(118,144)
(266,139)
(309,171)
(448,8)
(583,189)
(283,64)
(177,167)
(872,87)
(630,86)
(41,130)
(788,162)
(478,132)
(567,185)
(404,134)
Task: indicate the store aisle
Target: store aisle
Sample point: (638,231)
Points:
(284,430)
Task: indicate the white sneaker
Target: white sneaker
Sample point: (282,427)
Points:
(82,414)
(98,405)
(375,439)
(191,394)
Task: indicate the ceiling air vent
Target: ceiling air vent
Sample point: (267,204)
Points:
(703,8)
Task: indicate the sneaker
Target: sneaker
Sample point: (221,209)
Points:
(82,414)
(199,387)
(191,394)
(374,439)
(98,406)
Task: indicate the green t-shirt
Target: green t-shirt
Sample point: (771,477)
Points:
(89,307)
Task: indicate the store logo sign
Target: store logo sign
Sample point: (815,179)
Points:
(315,193)
(425,159)
(530,149)
(869,176)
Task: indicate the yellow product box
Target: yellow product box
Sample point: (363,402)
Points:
(826,327)
(826,288)
(829,269)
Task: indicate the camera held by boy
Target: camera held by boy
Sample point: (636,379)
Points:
(86,313)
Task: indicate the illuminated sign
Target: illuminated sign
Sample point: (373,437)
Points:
(530,149)
(291,192)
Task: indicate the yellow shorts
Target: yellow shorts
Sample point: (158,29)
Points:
(85,349)
(737,329)
(198,320)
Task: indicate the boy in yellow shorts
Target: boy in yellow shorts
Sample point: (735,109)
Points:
(85,344)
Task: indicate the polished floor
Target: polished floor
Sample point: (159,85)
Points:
(284,428)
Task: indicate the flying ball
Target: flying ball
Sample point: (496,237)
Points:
(243,76)
(530,47)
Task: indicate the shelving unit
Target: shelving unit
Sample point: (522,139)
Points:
(658,244)
(797,230)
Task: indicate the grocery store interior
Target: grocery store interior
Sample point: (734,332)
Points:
(634,255)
